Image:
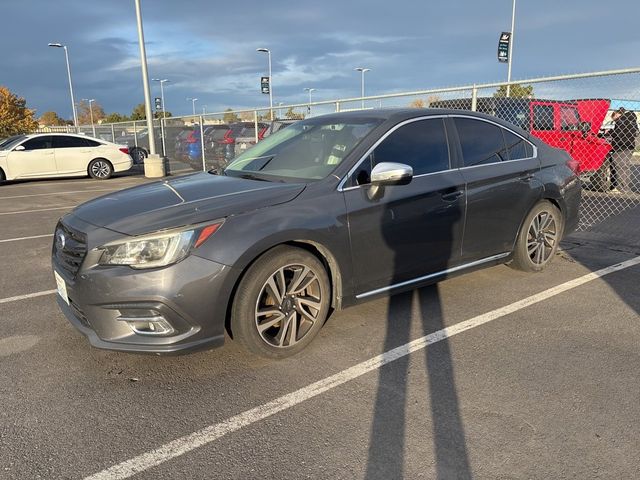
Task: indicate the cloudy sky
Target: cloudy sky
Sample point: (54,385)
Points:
(207,48)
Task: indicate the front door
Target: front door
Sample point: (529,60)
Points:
(37,158)
(410,230)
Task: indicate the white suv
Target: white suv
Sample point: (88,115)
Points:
(60,155)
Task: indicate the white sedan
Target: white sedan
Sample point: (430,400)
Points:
(60,155)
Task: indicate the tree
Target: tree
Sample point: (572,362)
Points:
(417,103)
(115,118)
(292,115)
(51,119)
(15,117)
(516,91)
(138,112)
(230,117)
(85,111)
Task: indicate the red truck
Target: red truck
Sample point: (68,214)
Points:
(571,125)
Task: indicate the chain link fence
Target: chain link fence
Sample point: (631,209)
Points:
(593,116)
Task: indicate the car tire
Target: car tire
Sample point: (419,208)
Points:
(138,155)
(538,238)
(100,169)
(602,178)
(3,177)
(281,303)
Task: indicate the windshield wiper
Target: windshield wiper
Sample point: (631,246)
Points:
(251,176)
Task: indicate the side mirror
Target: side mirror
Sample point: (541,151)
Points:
(19,148)
(387,174)
(585,127)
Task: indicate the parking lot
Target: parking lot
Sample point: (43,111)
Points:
(497,374)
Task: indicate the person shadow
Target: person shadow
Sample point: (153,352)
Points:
(410,315)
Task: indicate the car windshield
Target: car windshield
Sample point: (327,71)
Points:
(9,143)
(308,150)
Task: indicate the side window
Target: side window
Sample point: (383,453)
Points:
(38,143)
(91,143)
(569,118)
(481,142)
(543,117)
(421,144)
(63,141)
(517,147)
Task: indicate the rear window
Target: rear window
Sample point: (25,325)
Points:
(569,118)
(218,133)
(482,142)
(62,141)
(543,117)
(517,147)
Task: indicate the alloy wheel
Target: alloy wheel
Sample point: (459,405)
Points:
(542,237)
(100,169)
(288,305)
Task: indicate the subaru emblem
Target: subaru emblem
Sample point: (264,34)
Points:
(61,241)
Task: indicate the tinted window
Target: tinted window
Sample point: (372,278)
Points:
(543,117)
(517,147)
(38,143)
(481,142)
(569,118)
(62,141)
(91,143)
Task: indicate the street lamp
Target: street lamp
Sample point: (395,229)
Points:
(307,89)
(193,104)
(268,52)
(73,102)
(204,109)
(162,82)
(513,26)
(362,70)
(91,100)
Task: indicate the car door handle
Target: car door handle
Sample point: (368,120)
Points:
(453,196)
(526,177)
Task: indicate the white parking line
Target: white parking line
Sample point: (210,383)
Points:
(69,182)
(27,296)
(68,207)
(59,193)
(213,432)
(7,240)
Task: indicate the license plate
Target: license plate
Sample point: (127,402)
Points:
(62,287)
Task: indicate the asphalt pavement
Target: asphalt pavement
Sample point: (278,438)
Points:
(496,374)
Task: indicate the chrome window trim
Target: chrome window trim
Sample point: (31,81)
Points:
(432,275)
(535,149)
(342,188)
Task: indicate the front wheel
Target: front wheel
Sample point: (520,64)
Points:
(539,238)
(281,303)
(100,169)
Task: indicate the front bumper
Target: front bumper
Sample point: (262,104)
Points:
(192,296)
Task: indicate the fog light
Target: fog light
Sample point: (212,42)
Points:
(154,324)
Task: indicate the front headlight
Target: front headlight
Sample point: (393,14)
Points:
(156,250)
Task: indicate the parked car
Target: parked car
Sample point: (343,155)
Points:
(571,125)
(329,212)
(60,155)
(244,134)
(277,125)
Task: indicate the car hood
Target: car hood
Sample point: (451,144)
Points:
(182,201)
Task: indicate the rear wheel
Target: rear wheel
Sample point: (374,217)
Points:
(602,178)
(138,155)
(281,303)
(539,238)
(100,169)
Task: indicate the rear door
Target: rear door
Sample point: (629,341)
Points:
(499,168)
(37,158)
(73,154)
(412,230)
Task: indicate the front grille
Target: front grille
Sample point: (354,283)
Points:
(69,248)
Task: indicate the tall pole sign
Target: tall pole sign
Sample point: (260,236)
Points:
(503,47)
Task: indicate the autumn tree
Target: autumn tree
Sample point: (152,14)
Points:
(292,115)
(516,91)
(51,119)
(84,111)
(15,117)
(417,103)
(230,117)
(115,118)
(139,112)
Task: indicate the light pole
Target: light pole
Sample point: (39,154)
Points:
(513,26)
(362,70)
(193,104)
(307,89)
(268,52)
(91,100)
(164,113)
(73,102)
(162,82)
(204,109)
